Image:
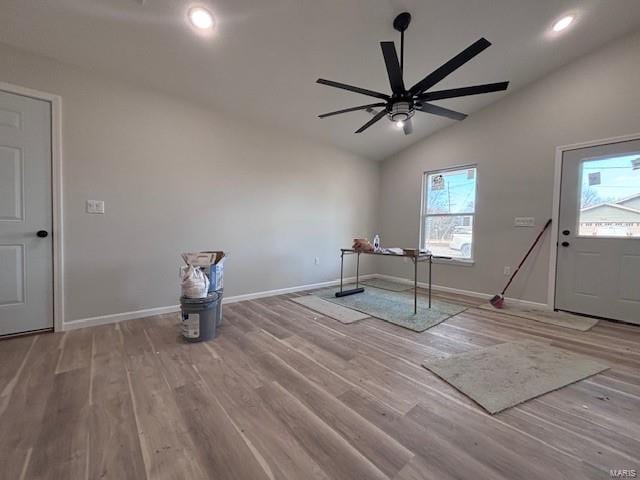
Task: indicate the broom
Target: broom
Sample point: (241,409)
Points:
(498,300)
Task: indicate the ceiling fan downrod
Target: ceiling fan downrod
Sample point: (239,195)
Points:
(401,23)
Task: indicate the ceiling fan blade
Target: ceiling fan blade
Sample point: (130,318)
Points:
(408,127)
(440,111)
(450,66)
(379,115)
(352,109)
(463,92)
(351,88)
(393,66)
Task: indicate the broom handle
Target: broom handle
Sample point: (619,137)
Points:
(535,242)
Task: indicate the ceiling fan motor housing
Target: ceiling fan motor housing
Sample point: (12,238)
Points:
(401,111)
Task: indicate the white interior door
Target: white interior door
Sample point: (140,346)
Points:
(26,259)
(598,266)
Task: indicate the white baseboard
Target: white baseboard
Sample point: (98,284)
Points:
(469,293)
(118,317)
(149,312)
(282,291)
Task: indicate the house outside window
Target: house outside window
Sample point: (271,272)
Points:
(448,212)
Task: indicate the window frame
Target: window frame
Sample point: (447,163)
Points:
(424,214)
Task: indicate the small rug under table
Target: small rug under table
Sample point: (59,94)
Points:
(394,307)
(507,374)
(387,284)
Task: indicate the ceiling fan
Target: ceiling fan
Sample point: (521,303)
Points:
(403,102)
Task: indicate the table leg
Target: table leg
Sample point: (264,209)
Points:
(430,263)
(352,291)
(341,269)
(415,286)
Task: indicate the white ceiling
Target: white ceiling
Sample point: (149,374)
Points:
(263,60)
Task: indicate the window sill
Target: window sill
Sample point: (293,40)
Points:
(454,261)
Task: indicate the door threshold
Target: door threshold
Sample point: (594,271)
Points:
(614,320)
(24,334)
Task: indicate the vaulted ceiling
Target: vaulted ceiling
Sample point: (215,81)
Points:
(265,55)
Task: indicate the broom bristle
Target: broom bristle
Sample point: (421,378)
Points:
(497,301)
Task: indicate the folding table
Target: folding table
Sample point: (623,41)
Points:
(415,258)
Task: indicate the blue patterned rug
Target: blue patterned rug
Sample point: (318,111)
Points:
(387,285)
(394,307)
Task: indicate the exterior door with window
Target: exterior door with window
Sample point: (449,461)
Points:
(598,263)
(26,269)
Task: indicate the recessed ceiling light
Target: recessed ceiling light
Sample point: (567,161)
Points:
(563,23)
(201,18)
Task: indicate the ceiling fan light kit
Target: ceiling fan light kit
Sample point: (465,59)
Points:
(401,111)
(401,105)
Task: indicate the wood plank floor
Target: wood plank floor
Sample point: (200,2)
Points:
(285,393)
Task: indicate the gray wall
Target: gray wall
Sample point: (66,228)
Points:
(513,143)
(178,177)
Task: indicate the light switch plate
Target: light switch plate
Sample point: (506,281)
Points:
(95,206)
(524,222)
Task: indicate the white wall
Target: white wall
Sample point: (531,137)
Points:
(513,142)
(178,177)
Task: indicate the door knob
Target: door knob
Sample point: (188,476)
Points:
(565,244)
(42,233)
(566,232)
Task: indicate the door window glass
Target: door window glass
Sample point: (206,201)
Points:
(610,197)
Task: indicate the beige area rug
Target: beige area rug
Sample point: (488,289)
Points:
(330,309)
(560,319)
(505,375)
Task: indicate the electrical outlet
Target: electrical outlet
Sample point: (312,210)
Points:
(524,222)
(95,206)
(316,260)
(507,270)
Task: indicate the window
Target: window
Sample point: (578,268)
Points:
(610,197)
(448,212)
